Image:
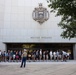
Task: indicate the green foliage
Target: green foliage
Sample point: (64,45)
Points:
(66,9)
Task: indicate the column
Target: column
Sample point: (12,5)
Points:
(74,51)
(2,46)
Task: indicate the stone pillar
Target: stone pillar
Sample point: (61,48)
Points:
(74,51)
(2,46)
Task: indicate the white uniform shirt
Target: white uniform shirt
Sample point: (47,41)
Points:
(0,53)
(50,53)
(40,52)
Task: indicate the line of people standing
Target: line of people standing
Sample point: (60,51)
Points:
(10,56)
(35,55)
(48,55)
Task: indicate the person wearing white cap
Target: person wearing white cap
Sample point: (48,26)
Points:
(24,56)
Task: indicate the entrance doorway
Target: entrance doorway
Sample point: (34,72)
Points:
(44,46)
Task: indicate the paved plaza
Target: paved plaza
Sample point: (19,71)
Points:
(38,68)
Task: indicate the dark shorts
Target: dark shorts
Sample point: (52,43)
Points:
(24,59)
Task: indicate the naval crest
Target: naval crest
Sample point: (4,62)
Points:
(40,14)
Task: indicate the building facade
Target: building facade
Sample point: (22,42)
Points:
(18,26)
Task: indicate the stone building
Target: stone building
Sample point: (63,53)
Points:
(30,22)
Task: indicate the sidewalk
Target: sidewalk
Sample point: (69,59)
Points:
(39,68)
(41,62)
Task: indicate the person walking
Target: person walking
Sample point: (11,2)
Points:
(24,56)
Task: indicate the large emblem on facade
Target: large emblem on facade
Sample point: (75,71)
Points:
(40,14)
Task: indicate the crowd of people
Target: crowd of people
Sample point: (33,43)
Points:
(34,55)
(10,56)
(45,55)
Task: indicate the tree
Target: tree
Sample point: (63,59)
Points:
(67,10)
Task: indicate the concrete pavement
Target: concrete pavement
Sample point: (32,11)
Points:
(38,68)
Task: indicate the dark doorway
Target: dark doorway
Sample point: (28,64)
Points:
(44,46)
